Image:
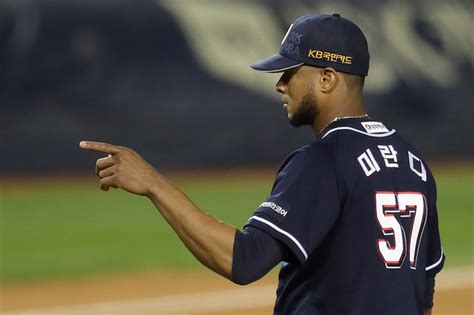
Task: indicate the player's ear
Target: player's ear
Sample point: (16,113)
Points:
(328,80)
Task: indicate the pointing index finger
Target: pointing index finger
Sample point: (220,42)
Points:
(99,147)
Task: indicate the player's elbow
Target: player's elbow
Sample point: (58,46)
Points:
(255,254)
(242,281)
(245,271)
(243,277)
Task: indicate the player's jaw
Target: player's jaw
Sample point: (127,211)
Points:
(306,111)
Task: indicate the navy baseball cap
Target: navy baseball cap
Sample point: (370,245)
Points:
(321,40)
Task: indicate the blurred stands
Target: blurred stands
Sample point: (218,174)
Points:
(171,79)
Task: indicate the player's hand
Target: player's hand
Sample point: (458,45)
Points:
(122,168)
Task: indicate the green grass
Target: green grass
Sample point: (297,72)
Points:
(455,213)
(71,229)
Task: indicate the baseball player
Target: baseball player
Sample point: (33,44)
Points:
(351,217)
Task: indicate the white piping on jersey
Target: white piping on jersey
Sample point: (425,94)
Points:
(283,69)
(362,132)
(291,237)
(436,263)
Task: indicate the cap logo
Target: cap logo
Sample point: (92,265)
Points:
(291,44)
(329,56)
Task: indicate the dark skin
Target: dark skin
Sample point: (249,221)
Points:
(210,240)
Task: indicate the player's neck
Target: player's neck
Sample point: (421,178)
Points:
(325,118)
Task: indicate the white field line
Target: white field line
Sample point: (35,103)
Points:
(214,301)
(241,298)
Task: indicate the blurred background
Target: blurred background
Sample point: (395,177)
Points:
(170,78)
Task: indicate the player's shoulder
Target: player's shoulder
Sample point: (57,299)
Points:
(355,137)
(316,154)
(324,149)
(350,135)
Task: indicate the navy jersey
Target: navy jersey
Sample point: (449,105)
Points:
(357,208)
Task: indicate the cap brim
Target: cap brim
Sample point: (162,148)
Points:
(275,63)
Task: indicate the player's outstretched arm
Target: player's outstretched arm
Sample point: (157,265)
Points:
(208,239)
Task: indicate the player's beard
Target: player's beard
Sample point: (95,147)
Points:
(307,110)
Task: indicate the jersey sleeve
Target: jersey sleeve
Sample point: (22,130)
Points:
(255,254)
(304,202)
(435,254)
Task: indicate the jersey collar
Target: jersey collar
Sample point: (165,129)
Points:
(363,125)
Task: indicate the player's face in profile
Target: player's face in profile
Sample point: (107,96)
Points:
(298,96)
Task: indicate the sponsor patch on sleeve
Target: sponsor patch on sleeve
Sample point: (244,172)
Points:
(275,207)
(374,127)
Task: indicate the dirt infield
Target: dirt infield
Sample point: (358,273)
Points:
(195,293)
